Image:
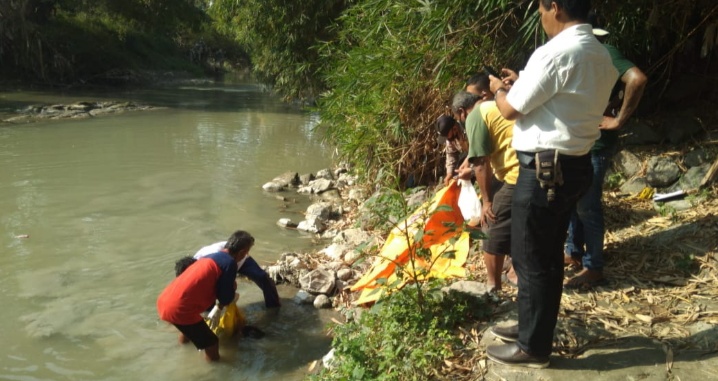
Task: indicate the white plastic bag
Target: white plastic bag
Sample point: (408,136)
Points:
(469,202)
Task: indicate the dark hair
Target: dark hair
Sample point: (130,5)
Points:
(480,80)
(463,99)
(444,124)
(183,264)
(239,241)
(575,9)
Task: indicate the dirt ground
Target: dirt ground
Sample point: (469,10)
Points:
(655,319)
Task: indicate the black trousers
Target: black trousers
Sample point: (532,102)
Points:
(538,233)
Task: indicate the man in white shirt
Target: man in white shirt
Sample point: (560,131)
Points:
(557,103)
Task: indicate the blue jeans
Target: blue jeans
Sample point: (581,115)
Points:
(587,228)
(251,270)
(538,233)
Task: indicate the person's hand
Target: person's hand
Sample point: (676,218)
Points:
(214,316)
(609,123)
(464,173)
(508,76)
(495,83)
(447,179)
(487,214)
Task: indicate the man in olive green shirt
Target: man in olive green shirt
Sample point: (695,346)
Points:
(496,168)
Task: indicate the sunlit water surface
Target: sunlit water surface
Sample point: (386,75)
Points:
(110,203)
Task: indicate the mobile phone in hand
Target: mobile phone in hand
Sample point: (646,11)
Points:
(488,70)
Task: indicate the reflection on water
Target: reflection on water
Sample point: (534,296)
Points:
(110,203)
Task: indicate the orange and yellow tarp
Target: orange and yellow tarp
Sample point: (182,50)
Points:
(439,219)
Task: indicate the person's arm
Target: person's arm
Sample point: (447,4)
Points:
(500,92)
(484,174)
(452,156)
(635,82)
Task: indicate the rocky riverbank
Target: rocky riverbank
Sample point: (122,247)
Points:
(662,262)
(79,110)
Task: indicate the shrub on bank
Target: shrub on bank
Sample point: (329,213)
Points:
(397,340)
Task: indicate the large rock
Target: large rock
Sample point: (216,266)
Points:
(321,185)
(693,177)
(322,301)
(321,210)
(319,281)
(335,250)
(662,171)
(697,157)
(473,288)
(627,163)
(325,174)
(305,179)
(273,186)
(312,225)
(287,179)
(352,237)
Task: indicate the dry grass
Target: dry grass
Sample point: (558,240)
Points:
(663,286)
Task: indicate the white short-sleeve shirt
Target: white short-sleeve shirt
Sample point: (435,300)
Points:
(213,248)
(562,93)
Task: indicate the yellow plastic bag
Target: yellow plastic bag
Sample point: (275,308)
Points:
(231,322)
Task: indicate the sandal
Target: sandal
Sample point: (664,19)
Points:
(507,280)
(585,280)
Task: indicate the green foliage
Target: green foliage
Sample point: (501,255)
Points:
(614,180)
(395,341)
(279,36)
(394,67)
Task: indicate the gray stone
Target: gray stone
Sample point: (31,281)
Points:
(627,163)
(335,250)
(322,301)
(321,210)
(352,256)
(634,185)
(304,190)
(473,288)
(330,234)
(305,179)
(693,177)
(356,195)
(662,171)
(286,223)
(287,179)
(344,274)
(82,106)
(697,157)
(677,205)
(353,237)
(321,185)
(312,225)
(303,297)
(325,174)
(331,195)
(273,187)
(318,281)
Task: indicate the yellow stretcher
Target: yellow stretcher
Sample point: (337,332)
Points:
(440,219)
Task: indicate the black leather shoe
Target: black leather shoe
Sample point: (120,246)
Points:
(511,354)
(508,334)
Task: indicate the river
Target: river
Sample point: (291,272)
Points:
(94,212)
